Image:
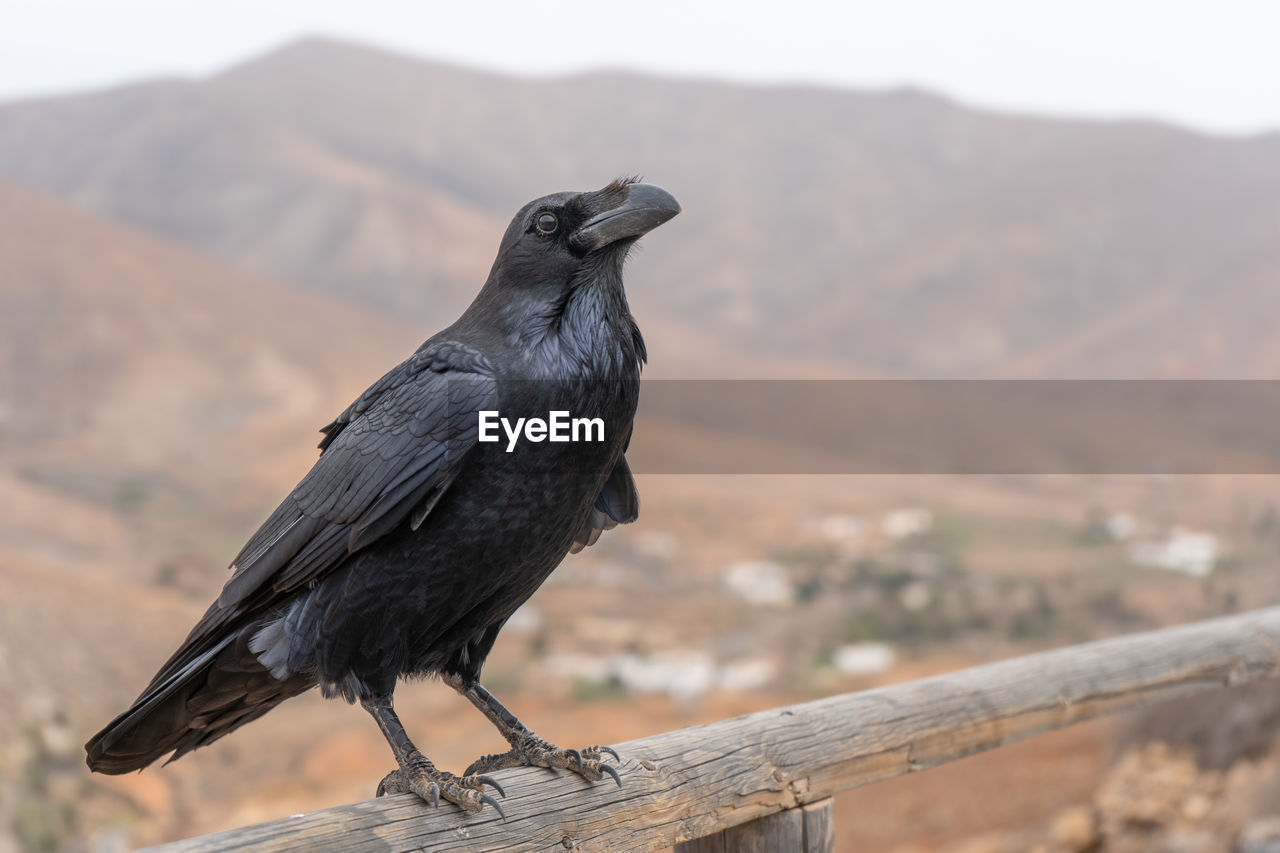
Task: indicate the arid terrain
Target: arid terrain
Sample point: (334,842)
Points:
(195,275)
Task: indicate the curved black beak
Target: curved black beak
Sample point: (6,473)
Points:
(645,208)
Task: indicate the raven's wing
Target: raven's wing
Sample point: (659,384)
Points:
(395,377)
(385,461)
(617,503)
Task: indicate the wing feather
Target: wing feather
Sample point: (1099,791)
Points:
(391,453)
(617,503)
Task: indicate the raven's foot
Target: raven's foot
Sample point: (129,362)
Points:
(532,751)
(419,776)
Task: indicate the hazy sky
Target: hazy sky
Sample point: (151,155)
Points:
(1215,65)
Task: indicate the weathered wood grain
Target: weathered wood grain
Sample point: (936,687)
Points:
(698,781)
(820,827)
(806,829)
(779,831)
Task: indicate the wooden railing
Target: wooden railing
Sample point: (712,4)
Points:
(765,781)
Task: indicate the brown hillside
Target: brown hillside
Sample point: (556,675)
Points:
(146,354)
(894,231)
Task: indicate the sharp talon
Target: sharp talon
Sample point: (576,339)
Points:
(485,780)
(435,795)
(577,756)
(611,751)
(605,768)
(382,790)
(485,798)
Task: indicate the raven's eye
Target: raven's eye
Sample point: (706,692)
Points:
(546,223)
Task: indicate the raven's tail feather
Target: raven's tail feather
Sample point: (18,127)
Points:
(212,695)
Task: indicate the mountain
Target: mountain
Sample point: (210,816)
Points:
(114,340)
(893,231)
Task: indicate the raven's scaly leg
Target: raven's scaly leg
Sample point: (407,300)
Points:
(418,775)
(527,749)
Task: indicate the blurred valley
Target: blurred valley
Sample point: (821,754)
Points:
(195,275)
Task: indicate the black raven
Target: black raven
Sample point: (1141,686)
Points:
(410,542)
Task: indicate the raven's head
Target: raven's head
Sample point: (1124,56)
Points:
(561,231)
(566,245)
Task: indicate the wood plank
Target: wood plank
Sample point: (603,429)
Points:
(782,830)
(694,782)
(820,827)
(809,829)
(714,843)
(773,833)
